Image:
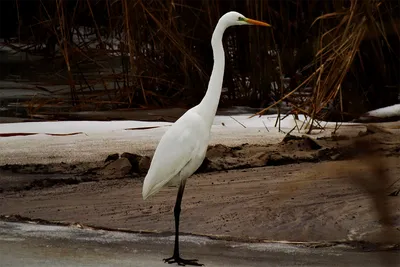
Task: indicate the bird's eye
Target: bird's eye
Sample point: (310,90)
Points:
(240,19)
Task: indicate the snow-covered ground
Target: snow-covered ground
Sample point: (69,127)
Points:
(94,140)
(385,112)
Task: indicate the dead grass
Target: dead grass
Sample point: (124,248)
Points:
(338,42)
(136,54)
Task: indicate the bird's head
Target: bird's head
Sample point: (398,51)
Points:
(234,18)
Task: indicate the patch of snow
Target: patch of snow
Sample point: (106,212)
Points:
(88,127)
(97,139)
(386,112)
(99,127)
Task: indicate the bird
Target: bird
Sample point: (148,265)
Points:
(182,148)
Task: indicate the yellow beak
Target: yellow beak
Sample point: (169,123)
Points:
(257,22)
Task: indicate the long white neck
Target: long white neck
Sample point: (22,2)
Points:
(208,106)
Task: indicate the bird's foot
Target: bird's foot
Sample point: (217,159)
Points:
(182,262)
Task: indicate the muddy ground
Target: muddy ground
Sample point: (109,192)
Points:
(330,189)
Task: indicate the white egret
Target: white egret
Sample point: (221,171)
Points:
(183,147)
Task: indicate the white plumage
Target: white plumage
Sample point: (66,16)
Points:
(179,154)
(183,147)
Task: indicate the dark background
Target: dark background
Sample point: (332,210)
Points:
(166,57)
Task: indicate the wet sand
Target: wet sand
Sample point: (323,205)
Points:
(298,202)
(296,190)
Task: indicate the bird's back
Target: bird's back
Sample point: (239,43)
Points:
(179,153)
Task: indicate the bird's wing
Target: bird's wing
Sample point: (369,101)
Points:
(176,149)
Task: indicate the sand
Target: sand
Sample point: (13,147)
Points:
(298,190)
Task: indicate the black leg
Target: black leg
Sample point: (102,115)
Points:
(177,211)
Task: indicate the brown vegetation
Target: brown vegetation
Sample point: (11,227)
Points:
(323,58)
